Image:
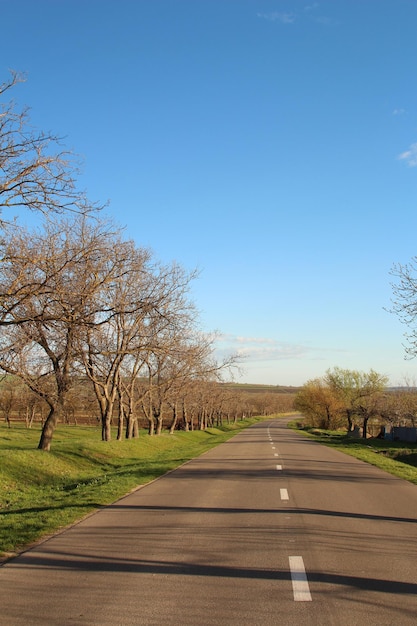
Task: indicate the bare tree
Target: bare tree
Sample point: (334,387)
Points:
(132,391)
(147,299)
(182,356)
(405,302)
(52,285)
(35,172)
(7,398)
(106,347)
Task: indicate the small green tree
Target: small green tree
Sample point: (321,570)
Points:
(356,392)
(317,401)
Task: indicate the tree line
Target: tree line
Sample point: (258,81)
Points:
(80,301)
(91,324)
(198,404)
(354,400)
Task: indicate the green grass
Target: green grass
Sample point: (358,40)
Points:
(41,492)
(395,457)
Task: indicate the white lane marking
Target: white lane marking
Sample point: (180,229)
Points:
(300,586)
(276,454)
(284,494)
(279,467)
(273,447)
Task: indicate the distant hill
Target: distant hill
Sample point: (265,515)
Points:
(249,388)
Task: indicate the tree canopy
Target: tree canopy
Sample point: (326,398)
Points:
(342,396)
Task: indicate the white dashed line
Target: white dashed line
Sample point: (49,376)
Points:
(284,494)
(300,586)
(279,467)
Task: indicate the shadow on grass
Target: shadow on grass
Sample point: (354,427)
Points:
(59,507)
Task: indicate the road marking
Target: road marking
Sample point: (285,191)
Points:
(284,494)
(276,454)
(300,586)
(279,467)
(273,447)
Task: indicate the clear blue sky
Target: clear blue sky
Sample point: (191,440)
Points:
(272,144)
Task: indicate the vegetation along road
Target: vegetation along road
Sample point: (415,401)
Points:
(269,527)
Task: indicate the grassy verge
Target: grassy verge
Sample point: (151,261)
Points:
(395,457)
(42,492)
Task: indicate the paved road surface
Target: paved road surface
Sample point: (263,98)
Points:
(268,528)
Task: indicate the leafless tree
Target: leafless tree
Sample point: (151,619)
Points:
(52,285)
(7,398)
(147,299)
(35,172)
(105,347)
(405,302)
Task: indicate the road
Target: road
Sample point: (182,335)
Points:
(268,528)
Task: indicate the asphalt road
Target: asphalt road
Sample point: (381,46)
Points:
(268,528)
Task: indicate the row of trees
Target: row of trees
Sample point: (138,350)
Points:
(353,399)
(79,301)
(196,404)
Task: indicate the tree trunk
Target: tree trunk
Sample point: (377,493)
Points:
(174,419)
(121,421)
(106,424)
(49,428)
(350,422)
(129,427)
(120,427)
(29,419)
(135,427)
(132,427)
(328,418)
(159,423)
(185,417)
(365,427)
(202,420)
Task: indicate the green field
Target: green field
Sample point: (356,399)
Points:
(395,457)
(41,492)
